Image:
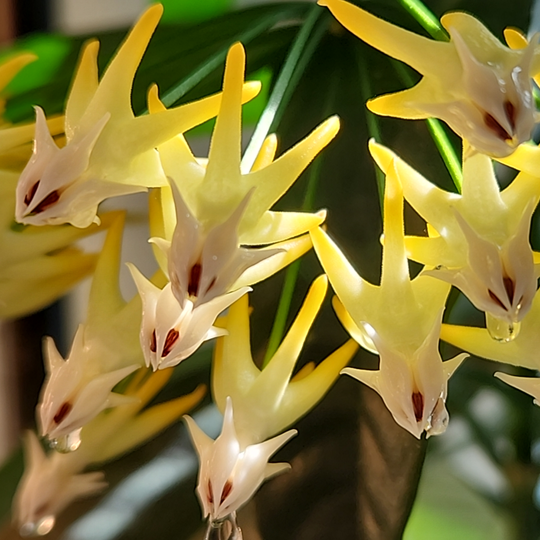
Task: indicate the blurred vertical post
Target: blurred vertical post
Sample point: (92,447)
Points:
(7,22)
(8,421)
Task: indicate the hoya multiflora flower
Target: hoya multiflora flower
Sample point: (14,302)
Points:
(481,88)
(108,150)
(230,472)
(398,320)
(201,268)
(479,240)
(202,221)
(214,190)
(268,401)
(37,265)
(53,481)
(80,387)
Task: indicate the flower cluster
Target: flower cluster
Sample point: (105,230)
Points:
(214,236)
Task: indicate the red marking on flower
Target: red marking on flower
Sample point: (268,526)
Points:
(418,405)
(495,127)
(63,411)
(496,299)
(510,111)
(153,346)
(170,340)
(194,279)
(31,192)
(209,496)
(227,488)
(46,203)
(510,288)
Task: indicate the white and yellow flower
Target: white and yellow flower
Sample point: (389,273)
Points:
(481,88)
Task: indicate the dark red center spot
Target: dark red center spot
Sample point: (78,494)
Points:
(63,411)
(30,195)
(418,405)
(194,279)
(510,288)
(227,488)
(495,127)
(510,111)
(170,340)
(496,299)
(47,202)
(153,345)
(209,496)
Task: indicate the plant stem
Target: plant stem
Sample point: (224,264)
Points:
(426,18)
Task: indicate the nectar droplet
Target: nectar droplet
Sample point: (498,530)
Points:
(39,528)
(501,330)
(68,443)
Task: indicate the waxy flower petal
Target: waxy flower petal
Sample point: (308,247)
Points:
(47,488)
(51,482)
(412,378)
(75,391)
(267,401)
(79,388)
(170,331)
(108,151)
(478,86)
(215,190)
(203,265)
(230,473)
(479,241)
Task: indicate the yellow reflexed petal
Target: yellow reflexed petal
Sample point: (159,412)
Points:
(162,126)
(277,226)
(118,79)
(477,341)
(29,286)
(105,296)
(484,45)
(357,332)
(395,269)
(481,194)
(428,251)
(273,181)
(224,157)
(10,68)
(306,391)
(423,54)
(83,88)
(404,104)
(526,158)
(304,372)
(266,154)
(147,424)
(276,375)
(292,250)
(515,38)
(268,400)
(13,136)
(349,286)
(232,355)
(431,202)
